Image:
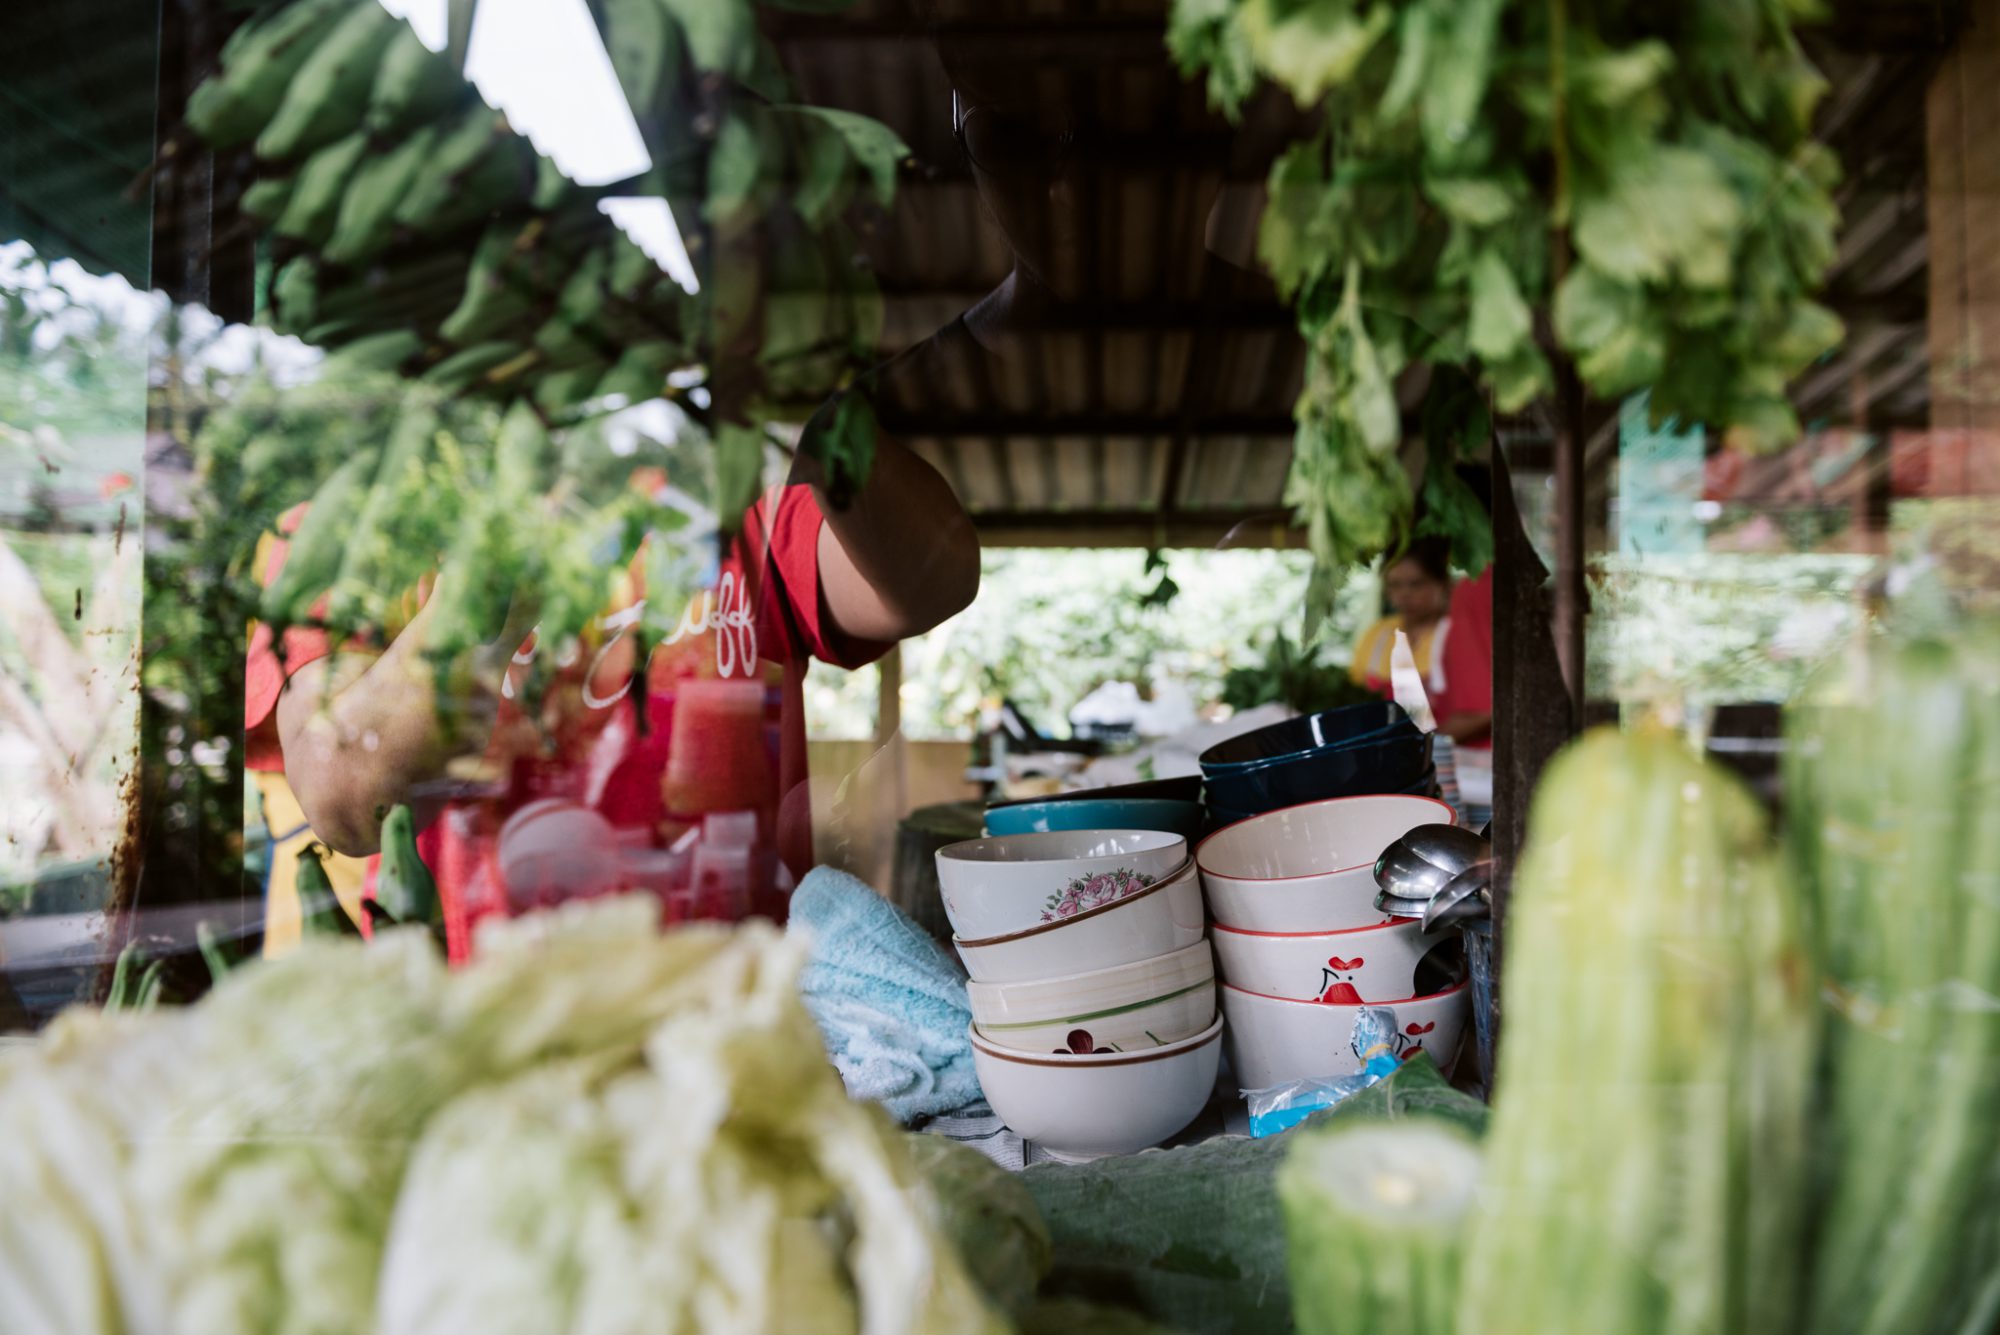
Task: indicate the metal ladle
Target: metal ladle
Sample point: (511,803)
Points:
(1407,879)
(1465,898)
(1417,867)
(1443,875)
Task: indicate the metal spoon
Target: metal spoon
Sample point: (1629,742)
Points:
(1452,847)
(1467,896)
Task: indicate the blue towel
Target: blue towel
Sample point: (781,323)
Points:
(887,998)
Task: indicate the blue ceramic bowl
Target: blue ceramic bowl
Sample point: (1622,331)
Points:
(1332,729)
(1390,763)
(1099,813)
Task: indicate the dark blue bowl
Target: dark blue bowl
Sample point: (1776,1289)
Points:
(1181,788)
(1389,764)
(1425,786)
(1331,729)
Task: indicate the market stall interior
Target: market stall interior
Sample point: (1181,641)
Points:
(695,655)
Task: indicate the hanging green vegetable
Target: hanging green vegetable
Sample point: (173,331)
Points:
(403,884)
(1632,185)
(320,913)
(1892,782)
(1646,1172)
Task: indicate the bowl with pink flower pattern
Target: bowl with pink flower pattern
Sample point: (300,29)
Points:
(1012,882)
(1160,919)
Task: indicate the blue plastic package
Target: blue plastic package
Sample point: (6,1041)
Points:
(1373,1041)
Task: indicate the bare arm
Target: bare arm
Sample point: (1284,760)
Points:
(903,556)
(1469,725)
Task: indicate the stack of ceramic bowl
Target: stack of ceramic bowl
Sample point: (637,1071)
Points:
(1346,752)
(1093,991)
(1303,951)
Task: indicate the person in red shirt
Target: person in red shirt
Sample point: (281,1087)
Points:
(1461,677)
(710,725)
(1462,697)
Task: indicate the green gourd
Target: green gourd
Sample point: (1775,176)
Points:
(1375,1223)
(1892,787)
(1647,1172)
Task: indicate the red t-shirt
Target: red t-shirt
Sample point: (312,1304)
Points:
(1467,665)
(736,660)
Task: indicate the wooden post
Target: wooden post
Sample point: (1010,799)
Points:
(1532,711)
(889,706)
(1963,218)
(1959,456)
(889,729)
(1571,598)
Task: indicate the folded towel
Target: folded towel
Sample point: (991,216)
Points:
(887,998)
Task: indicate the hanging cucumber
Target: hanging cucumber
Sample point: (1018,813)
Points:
(403,884)
(212,955)
(1375,1218)
(320,913)
(1646,1169)
(312,561)
(151,984)
(1892,782)
(122,992)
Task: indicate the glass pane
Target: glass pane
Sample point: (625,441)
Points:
(80,344)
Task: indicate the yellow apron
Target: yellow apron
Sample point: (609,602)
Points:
(289,835)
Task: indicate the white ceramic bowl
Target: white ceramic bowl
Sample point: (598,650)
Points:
(1273,1040)
(1083,1107)
(1376,963)
(1308,868)
(1010,882)
(1145,1005)
(1163,918)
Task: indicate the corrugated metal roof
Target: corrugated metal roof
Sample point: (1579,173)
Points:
(1161,402)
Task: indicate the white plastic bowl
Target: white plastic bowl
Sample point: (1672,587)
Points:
(1273,1040)
(551,850)
(1011,882)
(1376,963)
(1133,1006)
(1157,921)
(1082,1107)
(1309,868)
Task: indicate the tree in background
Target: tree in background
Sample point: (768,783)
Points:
(1051,625)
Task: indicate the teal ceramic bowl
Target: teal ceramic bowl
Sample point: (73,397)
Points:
(1098,813)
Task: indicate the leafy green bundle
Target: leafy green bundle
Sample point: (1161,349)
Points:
(1630,185)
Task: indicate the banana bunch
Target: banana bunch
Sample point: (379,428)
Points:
(328,94)
(259,64)
(373,160)
(376,159)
